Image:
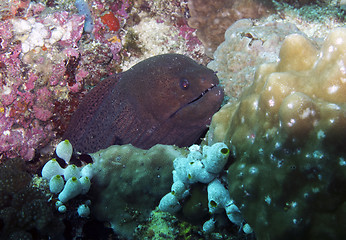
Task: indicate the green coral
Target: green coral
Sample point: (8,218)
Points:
(130,182)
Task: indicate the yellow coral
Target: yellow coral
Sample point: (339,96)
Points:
(304,91)
(288,133)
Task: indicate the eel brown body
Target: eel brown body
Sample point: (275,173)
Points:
(167,99)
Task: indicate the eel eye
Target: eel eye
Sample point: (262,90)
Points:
(184,83)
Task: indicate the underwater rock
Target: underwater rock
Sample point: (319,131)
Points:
(247,45)
(212,18)
(287,134)
(166,99)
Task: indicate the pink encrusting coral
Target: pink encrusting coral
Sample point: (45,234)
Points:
(33,73)
(190,37)
(24,110)
(26,103)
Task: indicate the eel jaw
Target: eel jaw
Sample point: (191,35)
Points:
(194,100)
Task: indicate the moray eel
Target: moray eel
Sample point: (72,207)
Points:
(166,99)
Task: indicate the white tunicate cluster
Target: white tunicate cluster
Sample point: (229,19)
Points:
(71,171)
(77,179)
(247,229)
(200,166)
(218,196)
(205,167)
(62,208)
(67,182)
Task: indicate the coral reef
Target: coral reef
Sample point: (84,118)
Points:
(246,46)
(25,212)
(26,91)
(21,110)
(315,20)
(129,183)
(287,134)
(212,18)
(44,66)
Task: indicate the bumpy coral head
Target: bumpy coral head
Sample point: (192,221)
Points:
(288,134)
(304,93)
